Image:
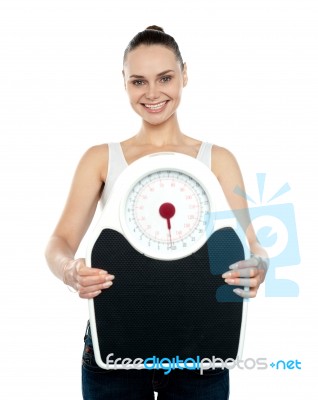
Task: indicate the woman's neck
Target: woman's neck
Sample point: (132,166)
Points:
(160,135)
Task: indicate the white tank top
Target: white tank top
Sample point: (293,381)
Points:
(117,163)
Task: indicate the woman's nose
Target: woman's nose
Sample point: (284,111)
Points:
(152,92)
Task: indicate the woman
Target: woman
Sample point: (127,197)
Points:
(154,75)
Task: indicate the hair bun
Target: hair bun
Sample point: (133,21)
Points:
(155,28)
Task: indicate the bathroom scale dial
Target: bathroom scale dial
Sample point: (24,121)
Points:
(166,214)
(167,208)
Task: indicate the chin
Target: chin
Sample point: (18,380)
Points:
(156,122)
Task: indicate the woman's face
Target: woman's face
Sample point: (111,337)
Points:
(154,82)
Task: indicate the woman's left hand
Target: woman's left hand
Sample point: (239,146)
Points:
(247,273)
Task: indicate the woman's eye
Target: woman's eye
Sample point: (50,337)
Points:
(138,82)
(165,79)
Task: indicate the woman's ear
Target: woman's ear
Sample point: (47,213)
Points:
(185,74)
(124,79)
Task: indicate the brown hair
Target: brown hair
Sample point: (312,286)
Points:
(154,35)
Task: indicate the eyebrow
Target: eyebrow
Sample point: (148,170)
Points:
(161,74)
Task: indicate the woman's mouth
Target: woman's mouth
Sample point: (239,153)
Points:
(153,108)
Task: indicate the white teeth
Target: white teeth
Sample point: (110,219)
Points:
(155,106)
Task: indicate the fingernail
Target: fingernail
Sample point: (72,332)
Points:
(237,291)
(229,281)
(110,277)
(226,274)
(107,284)
(233,266)
(102,272)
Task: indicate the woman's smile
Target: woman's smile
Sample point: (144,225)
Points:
(155,108)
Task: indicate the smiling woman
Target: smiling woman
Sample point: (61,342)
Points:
(154,82)
(154,76)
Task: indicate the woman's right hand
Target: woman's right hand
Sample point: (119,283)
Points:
(88,282)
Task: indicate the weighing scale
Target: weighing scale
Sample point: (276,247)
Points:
(160,235)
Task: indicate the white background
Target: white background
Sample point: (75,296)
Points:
(252,88)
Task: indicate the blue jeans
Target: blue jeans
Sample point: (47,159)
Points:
(101,384)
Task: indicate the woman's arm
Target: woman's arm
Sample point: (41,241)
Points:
(78,213)
(251,272)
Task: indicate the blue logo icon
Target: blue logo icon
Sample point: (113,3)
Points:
(275,228)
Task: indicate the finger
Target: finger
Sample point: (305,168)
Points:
(89,280)
(90,295)
(86,271)
(251,262)
(247,282)
(246,294)
(243,272)
(83,290)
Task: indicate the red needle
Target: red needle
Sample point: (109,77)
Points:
(167,211)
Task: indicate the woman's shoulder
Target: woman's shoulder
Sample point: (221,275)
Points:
(222,160)
(96,153)
(95,158)
(222,153)
(98,149)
